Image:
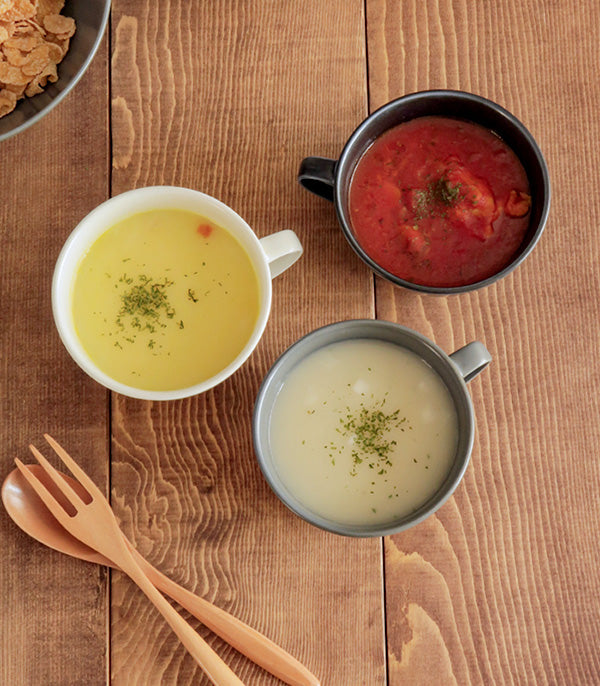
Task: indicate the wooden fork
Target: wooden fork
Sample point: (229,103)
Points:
(95,524)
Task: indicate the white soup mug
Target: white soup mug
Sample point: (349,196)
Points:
(270,256)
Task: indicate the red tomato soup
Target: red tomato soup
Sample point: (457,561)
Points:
(440,202)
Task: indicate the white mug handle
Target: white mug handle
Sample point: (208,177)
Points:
(281,249)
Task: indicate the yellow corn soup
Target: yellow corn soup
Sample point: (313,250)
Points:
(165,299)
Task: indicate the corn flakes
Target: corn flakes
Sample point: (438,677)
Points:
(45,7)
(18,9)
(8,100)
(56,23)
(34,38)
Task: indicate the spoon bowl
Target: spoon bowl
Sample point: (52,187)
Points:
(30,514)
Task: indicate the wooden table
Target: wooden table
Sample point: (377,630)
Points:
(501,586)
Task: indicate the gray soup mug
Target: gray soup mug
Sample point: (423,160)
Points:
(330,179)
(455,370)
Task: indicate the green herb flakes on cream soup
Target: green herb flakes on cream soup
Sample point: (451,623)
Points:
(363,431)
(165,299)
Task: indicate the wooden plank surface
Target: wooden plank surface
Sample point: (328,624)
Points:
(227,98)
(53,609)
(501,587)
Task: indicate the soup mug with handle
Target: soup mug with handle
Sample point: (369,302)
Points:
(454,370)
(270,256)
(331,179)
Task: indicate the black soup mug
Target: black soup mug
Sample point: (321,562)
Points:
(331,179)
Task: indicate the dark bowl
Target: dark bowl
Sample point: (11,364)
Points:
(331,178)
(91,17)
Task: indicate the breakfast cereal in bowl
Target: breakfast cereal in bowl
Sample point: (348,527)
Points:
(34,38)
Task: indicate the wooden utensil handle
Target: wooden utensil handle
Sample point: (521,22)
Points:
(214,667)
(242,637)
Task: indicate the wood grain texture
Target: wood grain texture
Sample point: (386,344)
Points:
(227,98)
(501,587)
(53,609)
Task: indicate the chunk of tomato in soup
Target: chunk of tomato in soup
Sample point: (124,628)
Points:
(440,202)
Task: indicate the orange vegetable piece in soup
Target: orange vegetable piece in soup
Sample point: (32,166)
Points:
(518,204)
(475,208)
(204,230)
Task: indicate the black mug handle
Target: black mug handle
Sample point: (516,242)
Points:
(317,175)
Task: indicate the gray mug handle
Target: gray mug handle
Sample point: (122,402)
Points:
(317,175)
(471,360)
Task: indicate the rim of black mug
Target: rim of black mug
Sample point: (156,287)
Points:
(442,290)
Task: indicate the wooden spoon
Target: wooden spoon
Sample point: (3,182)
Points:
(31,515)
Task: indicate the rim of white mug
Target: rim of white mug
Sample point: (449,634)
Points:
(106,215)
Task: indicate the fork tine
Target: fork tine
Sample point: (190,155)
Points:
(44,494)
(65,488)
(75,469)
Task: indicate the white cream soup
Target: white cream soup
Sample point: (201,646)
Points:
(363,431)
